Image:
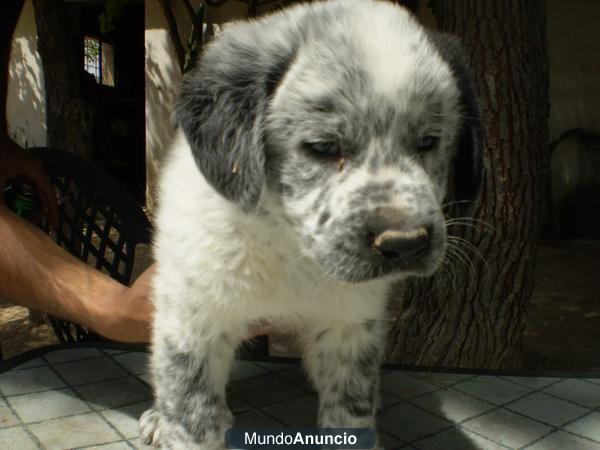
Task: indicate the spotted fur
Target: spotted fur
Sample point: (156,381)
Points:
(254,225)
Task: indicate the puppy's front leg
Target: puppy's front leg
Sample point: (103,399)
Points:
(343,363)
(190,411)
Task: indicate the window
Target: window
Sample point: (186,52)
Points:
(98,60)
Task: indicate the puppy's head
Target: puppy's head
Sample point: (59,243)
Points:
(345,118)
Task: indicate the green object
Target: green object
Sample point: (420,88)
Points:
(22,199)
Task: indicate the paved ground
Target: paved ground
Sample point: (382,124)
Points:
(563,328)
(89,398)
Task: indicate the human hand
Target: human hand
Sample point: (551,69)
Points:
(125,314)
(16,162)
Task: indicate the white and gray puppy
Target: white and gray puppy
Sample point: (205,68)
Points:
(315,149)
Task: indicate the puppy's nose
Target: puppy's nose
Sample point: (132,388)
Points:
(395,235)
(401,244)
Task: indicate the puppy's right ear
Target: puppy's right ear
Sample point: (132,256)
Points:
(222,109)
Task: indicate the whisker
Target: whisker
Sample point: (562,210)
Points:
(463,256)
(455,116)
(465,220)
(469,246)
(456,202)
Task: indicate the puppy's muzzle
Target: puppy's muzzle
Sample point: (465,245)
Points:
(397,238)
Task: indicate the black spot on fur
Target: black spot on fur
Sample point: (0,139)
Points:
(324,217)
(222,111)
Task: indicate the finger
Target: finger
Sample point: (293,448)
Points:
(47,195)
(50,202)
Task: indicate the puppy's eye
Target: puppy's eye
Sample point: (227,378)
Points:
(428,143)
(324,149)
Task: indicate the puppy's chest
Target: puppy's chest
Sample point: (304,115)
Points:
(281,280)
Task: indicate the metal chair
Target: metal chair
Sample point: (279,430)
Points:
(99,222)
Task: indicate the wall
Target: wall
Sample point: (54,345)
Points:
(574,56)
(26,102)
(163,76)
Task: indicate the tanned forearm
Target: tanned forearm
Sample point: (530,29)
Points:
(36,273)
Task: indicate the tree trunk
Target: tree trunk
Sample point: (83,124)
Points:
(475,316)
(69,118)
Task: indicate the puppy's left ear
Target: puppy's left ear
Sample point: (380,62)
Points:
(222,107)
(468,168)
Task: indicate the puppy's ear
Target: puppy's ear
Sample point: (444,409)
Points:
(468,169)
(222,108)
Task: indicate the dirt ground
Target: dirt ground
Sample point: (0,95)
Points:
(563,326)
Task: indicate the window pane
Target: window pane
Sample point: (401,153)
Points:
(91,57)
(108,65)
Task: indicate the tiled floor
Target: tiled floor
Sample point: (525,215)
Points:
(91,398)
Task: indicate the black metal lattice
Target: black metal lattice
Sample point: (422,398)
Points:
(99,222)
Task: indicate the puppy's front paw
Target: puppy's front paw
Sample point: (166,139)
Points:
(149,427)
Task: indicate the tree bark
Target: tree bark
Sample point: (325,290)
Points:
(474,315)
(69,117)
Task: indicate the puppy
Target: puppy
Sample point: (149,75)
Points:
(315,148)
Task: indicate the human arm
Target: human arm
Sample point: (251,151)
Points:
(36,273)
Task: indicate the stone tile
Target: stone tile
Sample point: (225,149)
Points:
(75,431)
(405,386)
(547,409)
(16,438)
(588,426)
(410,423)
(453,405)
(444,379)
(7,418)
(72,354)
(236,404)
(135,443)
(47,405)
(111,352)
(35,362)
(560,440)
(136,363)
(492,389)
(533,382)
(265,390)
(389,442)
(25,381)
(114,446)
(578,391)
(125,418)
(278,366)
(89,371)
(388,400)
(457,439)
(246,369)
(298,377)
(114,393)
(255,418)
(146,378)
(300,412)
(507,428)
